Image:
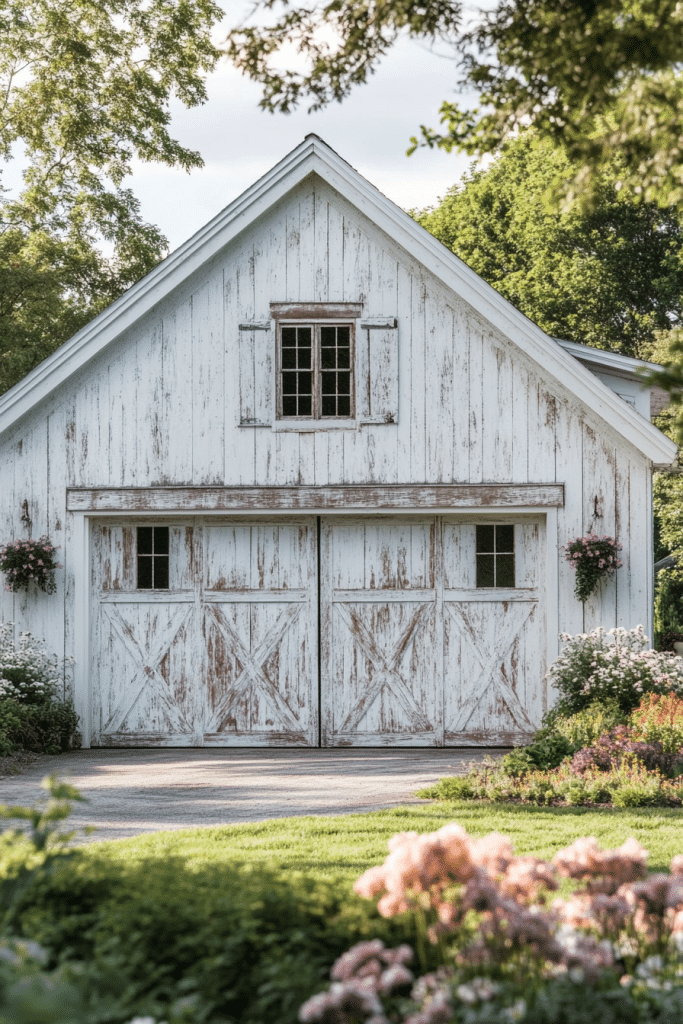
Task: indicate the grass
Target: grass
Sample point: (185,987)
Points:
(344,846)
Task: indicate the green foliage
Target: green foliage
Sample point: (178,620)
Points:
(668,514)
(249,945)
(10,723)
(598,77)
(566,1002)
(32,854)
(52,284)
(547,750)
(668,602)
(585,727)
(49,728)
(627,785)
(610,277)
(669,352)
(86,90)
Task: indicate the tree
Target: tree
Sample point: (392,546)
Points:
(610,277)
(598,75)
(85,87)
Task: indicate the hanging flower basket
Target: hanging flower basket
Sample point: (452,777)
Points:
(26,560)
(592,557)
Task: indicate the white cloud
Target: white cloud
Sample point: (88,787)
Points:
(239,142)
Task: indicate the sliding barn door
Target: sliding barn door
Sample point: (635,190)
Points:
(380,633)
(260,626)
(146,655)
(495,641)
(225,654)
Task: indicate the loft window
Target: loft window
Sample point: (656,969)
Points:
(152,557)
(315,368)
(495,556)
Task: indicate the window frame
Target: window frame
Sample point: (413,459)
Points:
(316,324)
(153,556)
(496,554)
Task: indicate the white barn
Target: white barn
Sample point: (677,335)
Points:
(310,479)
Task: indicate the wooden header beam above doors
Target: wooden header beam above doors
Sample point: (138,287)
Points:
(363,498)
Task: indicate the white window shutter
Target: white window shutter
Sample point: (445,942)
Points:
(256,354)
(378,370)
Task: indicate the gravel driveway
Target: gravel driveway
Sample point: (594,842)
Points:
(153,790)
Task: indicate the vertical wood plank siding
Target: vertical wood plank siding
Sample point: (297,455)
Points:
(162,406)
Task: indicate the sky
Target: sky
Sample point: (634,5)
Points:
(239,142)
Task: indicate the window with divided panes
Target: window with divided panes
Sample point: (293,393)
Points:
(495,556)
(315,370)
(152,558)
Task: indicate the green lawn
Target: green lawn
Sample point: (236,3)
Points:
(345,846)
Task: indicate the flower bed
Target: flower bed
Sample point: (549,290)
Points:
(614,737)
(610,950)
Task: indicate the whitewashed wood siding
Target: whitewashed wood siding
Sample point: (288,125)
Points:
(163,406)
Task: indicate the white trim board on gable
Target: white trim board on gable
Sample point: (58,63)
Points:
(315,157)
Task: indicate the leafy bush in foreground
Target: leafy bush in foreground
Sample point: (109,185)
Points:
(244,945)
(610,951)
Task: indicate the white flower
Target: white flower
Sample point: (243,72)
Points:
(515,1012)
(466,994)
(648,968)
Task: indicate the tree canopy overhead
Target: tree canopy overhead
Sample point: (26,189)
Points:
(85,87)
(610,276)
(599,75)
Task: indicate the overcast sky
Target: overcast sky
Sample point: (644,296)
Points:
(239,142)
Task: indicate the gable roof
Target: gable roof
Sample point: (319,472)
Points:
(313,156)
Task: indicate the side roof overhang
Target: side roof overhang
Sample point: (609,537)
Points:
(313,156)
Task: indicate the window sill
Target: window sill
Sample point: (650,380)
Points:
(316,426)
(304,426)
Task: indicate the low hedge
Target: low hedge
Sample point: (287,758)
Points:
(242,945)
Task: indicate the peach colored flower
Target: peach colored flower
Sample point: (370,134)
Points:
(676,866)
(526,876)
(493,852)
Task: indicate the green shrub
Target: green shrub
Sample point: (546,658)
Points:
(668,603)
(48,728)
(547,750)
(585,727)
(10,722)
(249,945)
(561,736)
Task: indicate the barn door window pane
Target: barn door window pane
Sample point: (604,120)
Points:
(495,556)
(316,371)
(153,554)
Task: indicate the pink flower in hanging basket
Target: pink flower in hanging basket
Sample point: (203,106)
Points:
(26,560)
